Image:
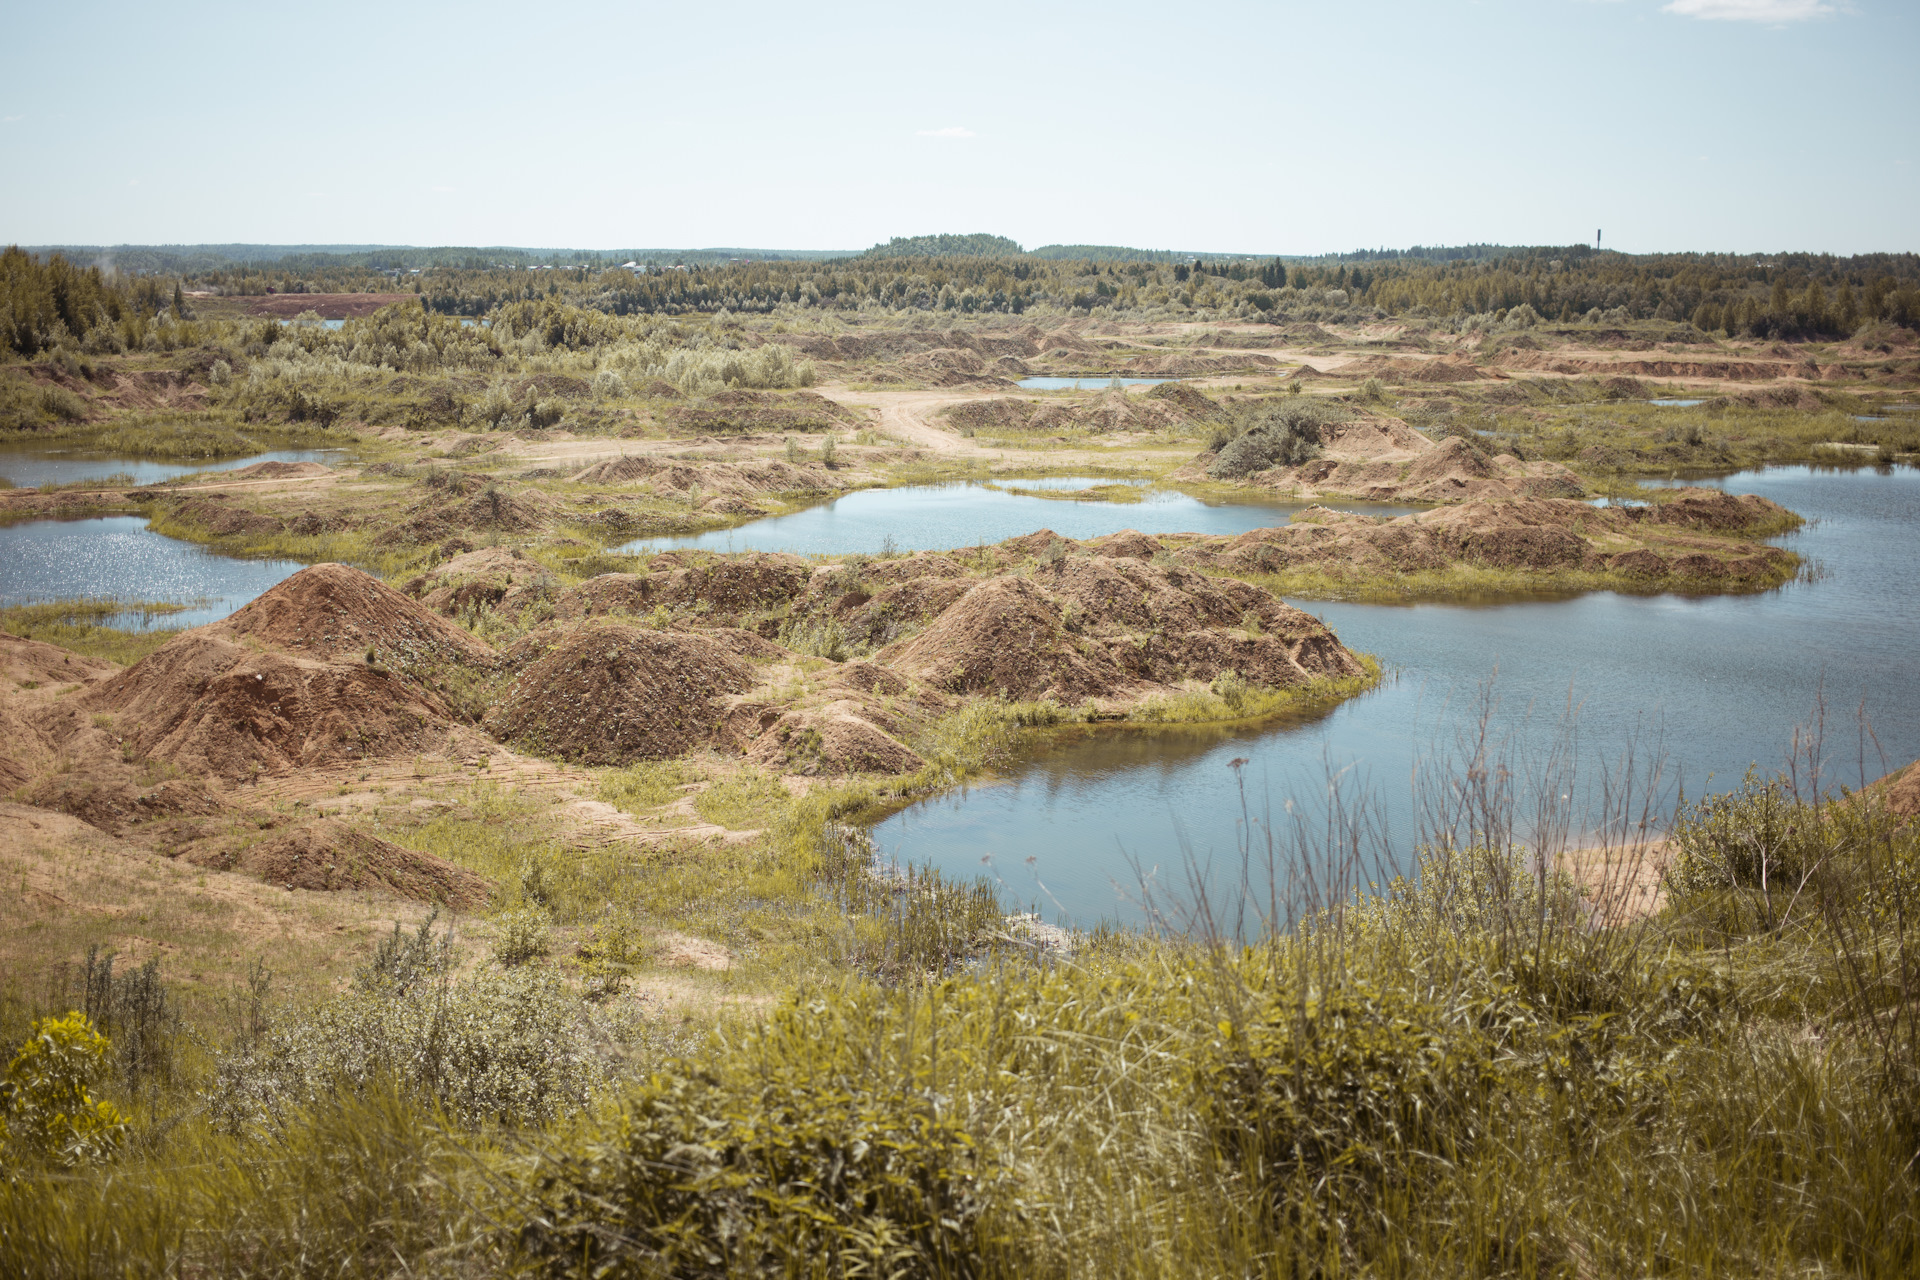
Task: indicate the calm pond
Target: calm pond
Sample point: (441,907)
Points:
(31,468)
(943,516)
(1094,382)
(1711,684)
(119,558)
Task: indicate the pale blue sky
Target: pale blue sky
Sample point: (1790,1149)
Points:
(1752,125)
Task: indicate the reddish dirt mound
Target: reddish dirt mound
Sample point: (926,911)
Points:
(281,471)
(1187,399)
(114,796)
(1089,627)
(331,610)
(23,660)
(605,594)
(218,515)
(724,479)
(1903,791)
(1718,511)
(608,693)
(1128,544)
(830,743)
(491,578)
(210,705)
(1003,636)
(734,585)
(330,856)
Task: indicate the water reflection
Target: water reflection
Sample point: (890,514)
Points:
(1714,683)
(942,517)
(119,558)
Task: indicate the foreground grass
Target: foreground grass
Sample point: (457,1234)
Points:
(1453,1077)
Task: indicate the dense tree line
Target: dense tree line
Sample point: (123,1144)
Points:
(1785,295)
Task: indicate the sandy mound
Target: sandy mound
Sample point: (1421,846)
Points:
(281,471)
(107,793)
(830,742)
(1188,399)
(35,661)
(217,514)
(717,588)
(331,610)
(1718,511)
(491,578)
(1094,627)
(608,693)
(1903,791)
(735,411)
(1128,544)
(1002,636)
(722,479)
(210,705)
(1509,533)
(330,856)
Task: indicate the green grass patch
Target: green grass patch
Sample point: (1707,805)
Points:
(82,626)
(748,800)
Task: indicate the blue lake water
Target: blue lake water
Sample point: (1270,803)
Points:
(1676,404)
(30,468)
(941,517)
(1707,685)
(1095,383)
(119,558)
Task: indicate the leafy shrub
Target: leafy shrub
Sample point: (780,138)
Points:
(1283,435)
(46,1109)
(131,1009)
(1231,688)
(58,402)
(1759,837)
(1344,1089)
(521,935)
(220,374)
(773,1170)
(821,638)
(504,1046)
(608,384)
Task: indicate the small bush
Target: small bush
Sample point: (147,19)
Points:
(1758,837)
(609,385)
(220,374)
(501,1046)
(773,1171)
(521,935)
(1281,436)
(46,1109)
(822,638)
(1231,688)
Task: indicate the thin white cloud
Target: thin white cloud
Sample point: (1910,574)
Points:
(1767,11)
(11,119)
(953,131)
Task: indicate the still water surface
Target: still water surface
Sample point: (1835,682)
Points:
(1714,683)
(1098,382)
(941,517)
(31,468)
(119,558)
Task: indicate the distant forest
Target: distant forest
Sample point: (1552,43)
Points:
(47,300)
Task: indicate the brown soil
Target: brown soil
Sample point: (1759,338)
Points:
(282,471)
(1541,534)
(1903,791)
(491,578)
(609,693)
(728,479)
(1381,459)
(739,410)
(329,855)
(1090,627)
(208,704)
(331,611)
